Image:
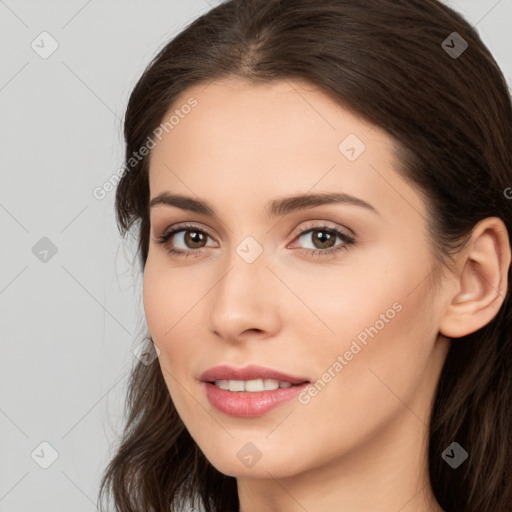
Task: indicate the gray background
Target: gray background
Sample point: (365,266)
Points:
(71,321)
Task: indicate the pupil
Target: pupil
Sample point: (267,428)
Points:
(194,234)
(325,235)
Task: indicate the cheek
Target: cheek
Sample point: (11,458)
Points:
(380,316)
(157,299)
(167,300)
(370,297)
(172,302)
(385,340)
(168,297)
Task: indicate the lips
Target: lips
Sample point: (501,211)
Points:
(251,372)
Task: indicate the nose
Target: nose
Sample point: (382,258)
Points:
(244,302)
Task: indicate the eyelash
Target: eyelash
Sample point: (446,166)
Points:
(348,240)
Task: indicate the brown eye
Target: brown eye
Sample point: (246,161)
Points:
(322,239)
(194,239)
(184,240)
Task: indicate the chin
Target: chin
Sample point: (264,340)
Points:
(276,464)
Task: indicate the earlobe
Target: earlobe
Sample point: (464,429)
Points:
(481,280)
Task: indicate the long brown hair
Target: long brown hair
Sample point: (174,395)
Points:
(451,118)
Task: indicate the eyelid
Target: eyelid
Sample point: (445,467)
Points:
(319,224)
(184,226)
(347,236)
(314,224)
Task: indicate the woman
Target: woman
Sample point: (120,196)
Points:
(320,194)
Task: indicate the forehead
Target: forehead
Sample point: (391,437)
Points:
(272,138)
(286,107)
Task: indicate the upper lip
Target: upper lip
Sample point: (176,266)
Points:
(250,372)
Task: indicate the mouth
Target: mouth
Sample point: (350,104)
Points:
(250,391)
(253,385)
(250,378)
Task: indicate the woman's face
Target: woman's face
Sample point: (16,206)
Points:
(355,314)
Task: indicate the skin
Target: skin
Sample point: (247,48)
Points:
(360,443)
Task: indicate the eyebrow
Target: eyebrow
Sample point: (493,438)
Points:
(275,208)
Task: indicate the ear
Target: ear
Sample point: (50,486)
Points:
(479,282)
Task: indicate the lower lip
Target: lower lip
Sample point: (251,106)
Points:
(249,404)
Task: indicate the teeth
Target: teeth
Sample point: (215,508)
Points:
(252,385)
